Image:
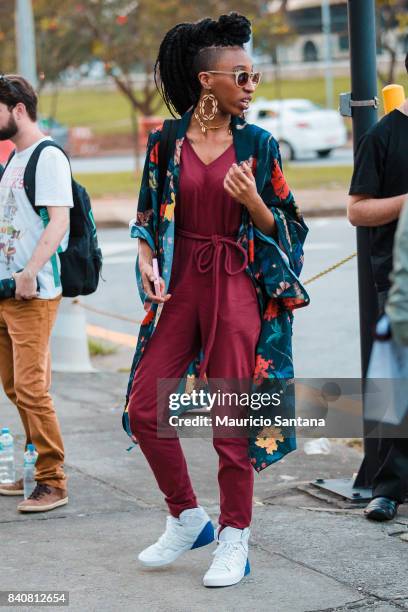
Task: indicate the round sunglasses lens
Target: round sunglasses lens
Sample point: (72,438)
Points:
(256,78)
(242,79)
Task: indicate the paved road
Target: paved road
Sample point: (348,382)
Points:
(326,342)
(126,163)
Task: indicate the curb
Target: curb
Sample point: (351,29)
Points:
(325,212)
(312,213)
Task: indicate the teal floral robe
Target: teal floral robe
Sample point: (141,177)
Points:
(273,265)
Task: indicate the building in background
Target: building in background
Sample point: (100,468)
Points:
(305,20)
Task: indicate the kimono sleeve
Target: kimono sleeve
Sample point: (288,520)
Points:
(291,228)
(280,259)
(145,224)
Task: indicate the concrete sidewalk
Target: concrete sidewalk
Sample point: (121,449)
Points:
(307,553)
(110,212)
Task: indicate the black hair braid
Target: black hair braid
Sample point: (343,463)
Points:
(182,54)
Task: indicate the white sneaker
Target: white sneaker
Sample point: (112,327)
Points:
(191,530)
(231,558)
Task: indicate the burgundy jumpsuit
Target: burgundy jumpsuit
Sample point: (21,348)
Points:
(214,305)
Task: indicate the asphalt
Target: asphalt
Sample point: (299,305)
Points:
(308,551)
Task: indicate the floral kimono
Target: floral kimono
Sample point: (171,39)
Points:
(273,265)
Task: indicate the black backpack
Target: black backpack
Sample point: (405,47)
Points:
(81,262)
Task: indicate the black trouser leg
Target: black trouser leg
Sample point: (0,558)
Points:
(391,480)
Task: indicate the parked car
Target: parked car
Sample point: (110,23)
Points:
(300,126)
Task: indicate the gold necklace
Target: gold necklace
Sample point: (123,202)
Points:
(211,127)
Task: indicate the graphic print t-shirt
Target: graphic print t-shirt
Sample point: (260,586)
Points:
(20,226)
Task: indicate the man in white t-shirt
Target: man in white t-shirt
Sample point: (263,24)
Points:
(27,253)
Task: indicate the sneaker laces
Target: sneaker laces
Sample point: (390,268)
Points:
(39,491)
(175,535)
(224,554)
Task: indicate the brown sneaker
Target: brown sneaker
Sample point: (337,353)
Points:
(14,488)
(43,498)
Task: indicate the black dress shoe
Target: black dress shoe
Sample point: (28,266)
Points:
(381,509)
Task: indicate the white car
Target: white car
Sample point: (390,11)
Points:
(300,126)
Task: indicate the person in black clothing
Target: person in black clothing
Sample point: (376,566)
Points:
(378,190)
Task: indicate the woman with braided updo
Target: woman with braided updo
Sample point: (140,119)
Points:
(227,235)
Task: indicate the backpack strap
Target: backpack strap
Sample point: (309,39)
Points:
(29,174)
(166,148)
(29,188)
(3,168)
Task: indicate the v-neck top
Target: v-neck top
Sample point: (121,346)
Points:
(202,203)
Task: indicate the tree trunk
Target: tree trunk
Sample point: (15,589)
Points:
(135,134)
(54,102)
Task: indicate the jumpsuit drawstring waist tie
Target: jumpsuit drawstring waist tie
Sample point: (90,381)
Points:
(207,257)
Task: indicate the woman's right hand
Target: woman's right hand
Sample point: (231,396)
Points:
(147,275)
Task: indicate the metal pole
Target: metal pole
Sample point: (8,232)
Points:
(361,17)
(25,41)
(326,28)
(364,87)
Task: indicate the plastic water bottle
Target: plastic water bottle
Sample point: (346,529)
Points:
(7,466)
(30,457)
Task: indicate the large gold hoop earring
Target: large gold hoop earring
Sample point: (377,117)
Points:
(214,107)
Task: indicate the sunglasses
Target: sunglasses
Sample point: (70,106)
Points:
(242,77)
(6,81)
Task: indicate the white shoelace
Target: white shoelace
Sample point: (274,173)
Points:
(225,554)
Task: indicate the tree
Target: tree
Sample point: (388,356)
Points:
(127,35)
(60,44)
(7,45)
(272,29)
(123,34)
(392,19)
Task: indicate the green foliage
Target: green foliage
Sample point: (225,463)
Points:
(391,15)
(60,43)
(124,34)
(7,46)
(97,348)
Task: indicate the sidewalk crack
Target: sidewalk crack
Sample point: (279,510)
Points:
(361,590)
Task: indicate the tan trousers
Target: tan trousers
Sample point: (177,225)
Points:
(25,371)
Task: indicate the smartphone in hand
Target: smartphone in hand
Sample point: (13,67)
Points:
(156,281)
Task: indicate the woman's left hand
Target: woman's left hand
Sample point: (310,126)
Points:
(240,183)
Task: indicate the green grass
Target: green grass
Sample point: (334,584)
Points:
(124,184)
(100,348)
(105,112)
(117,184)
(108,112)
(335,177)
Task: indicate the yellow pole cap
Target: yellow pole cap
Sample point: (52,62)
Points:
(393,97)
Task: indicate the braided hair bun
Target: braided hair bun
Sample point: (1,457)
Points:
(230,30)
(180,56)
